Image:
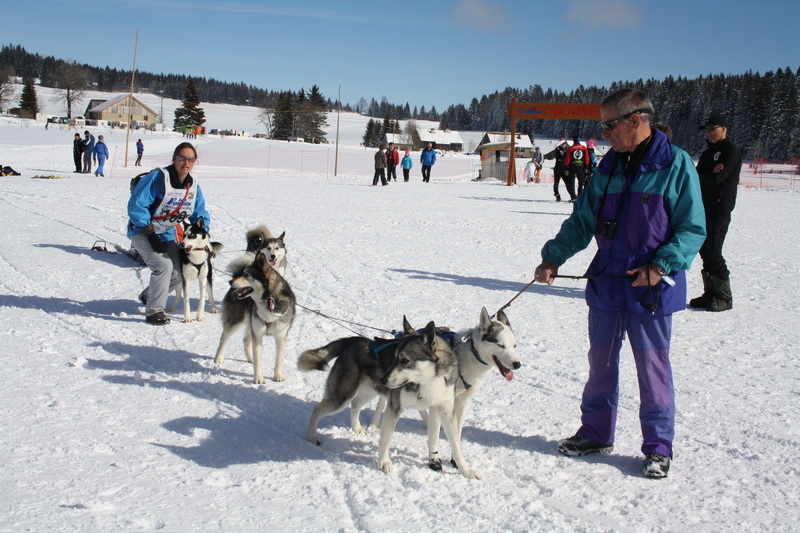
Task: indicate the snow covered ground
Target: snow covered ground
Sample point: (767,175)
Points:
(109,424)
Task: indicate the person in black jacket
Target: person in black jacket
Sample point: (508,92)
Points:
(560,172)
(77,152)
(719,167)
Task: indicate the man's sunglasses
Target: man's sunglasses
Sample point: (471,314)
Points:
(611,124)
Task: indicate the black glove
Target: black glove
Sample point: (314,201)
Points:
(158,245)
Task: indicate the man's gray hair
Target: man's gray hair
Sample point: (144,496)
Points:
(629,101)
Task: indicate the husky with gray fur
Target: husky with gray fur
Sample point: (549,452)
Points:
(261,300)
(423,377)
(261,239)
(197,249)
(355,378)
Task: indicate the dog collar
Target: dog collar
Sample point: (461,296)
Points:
(475,352)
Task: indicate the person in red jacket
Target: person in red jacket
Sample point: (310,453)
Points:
(392,159)
(577,160)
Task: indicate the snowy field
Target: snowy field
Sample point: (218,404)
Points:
(109,424)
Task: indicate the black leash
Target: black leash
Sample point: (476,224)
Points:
(526,287)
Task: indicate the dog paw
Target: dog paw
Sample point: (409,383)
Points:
(214,311)
(200,318)
(435,464)
(258,381)
(277,378)
(315,441)
(360,430)
(470,474)
(386,466)
(187,320)
(219,359)
(372,429)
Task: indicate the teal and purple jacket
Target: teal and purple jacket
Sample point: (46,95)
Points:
(660,219)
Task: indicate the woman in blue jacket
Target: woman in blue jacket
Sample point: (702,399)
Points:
(160,201)
(100,155)
(645,211)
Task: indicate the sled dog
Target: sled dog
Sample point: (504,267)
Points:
(355,377)
(261,239)
(197,250)
(423,377)
(261,300)
(489,346)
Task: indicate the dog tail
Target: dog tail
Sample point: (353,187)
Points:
(216,247)
(316,359)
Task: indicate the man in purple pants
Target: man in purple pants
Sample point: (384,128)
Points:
(644,208)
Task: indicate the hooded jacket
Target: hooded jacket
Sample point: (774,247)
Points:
(660,219)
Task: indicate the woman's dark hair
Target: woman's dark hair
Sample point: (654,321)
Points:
(181,146)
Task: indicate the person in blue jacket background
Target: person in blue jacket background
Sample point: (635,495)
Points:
(100,155)
(427,158)
(161,200)
(406,163)
(644,208)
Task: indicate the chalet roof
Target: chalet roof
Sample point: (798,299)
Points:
(440,137)
(501,139)
(117,99)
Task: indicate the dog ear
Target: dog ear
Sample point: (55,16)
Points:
(200,222)
(486,322)
(429,336)
(282,236)
(407,327)
(502,318)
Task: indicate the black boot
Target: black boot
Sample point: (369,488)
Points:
(701,302)
(721,298)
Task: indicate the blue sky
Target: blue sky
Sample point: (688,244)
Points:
(431,53)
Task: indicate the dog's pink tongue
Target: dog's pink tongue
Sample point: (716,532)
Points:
(509,375)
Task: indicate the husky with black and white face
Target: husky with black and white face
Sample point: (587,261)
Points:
(262,300)
(197,250)
(490,346)
(423,377)
(260,239)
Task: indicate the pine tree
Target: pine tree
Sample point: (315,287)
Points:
(283,123)
(189,114)
(28,103)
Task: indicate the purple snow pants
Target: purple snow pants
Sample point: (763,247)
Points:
(649,337)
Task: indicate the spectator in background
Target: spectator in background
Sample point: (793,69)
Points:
(88,151)
(100,154)
(407,163)
(380,166)
(577,160)
(392,159)
(427,158)
(77,152)
(139,153)
(719,167)
(559,153)
(537,162)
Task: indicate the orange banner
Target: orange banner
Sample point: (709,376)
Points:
(554,111)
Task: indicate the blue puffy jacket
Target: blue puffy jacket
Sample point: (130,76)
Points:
(148,194)
(428,157)
(662,221)
(101,149)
